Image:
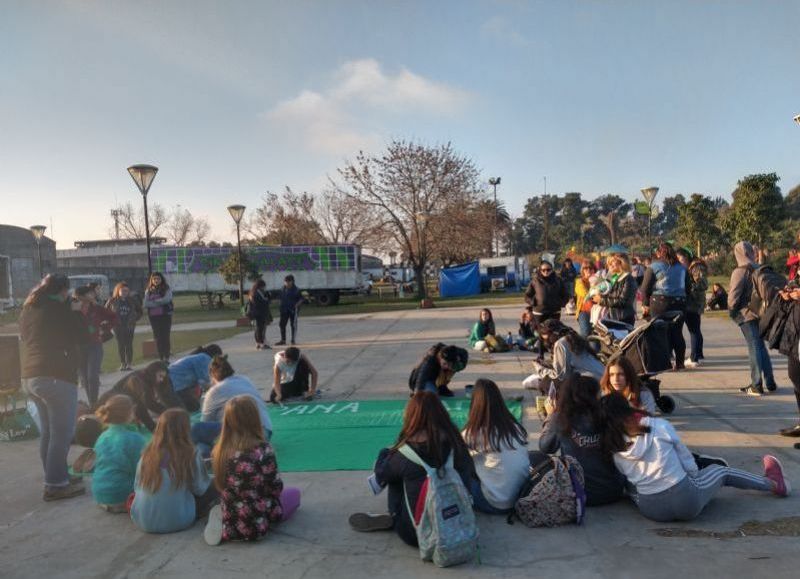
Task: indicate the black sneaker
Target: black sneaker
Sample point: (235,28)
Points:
(792,431)
(752,391)
(772,387)
(704,460)
(281,343)
(369,522)
(445,392)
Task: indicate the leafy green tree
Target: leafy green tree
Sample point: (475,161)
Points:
(697,224)
(230,268)
(757,207)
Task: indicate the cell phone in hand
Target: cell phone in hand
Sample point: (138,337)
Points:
(374,485)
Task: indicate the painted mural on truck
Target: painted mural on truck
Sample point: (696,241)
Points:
(266,258)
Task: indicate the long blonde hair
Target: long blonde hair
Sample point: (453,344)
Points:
(241,431)
(622,260)
(117,410)
(172,442)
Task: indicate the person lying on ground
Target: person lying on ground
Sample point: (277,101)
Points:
(189,375)
(172,488)
(252,495)
(498,444)
(437,368)
(574,427)
(428,430)
(150,389)
(225,385)
(293,375)
(662,473)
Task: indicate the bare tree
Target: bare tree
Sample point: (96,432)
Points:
(343,219)
(131,221)
(183,228)
(409,185)
(285,220)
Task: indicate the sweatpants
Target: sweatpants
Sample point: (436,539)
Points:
(685,500)
(288,317)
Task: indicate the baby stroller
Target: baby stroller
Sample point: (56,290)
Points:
(646,347)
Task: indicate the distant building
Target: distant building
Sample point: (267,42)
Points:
(19,262)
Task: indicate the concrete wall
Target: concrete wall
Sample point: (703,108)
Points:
(119,263)
(19,246)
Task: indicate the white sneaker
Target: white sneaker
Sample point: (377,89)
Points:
(690,364)
(213,532)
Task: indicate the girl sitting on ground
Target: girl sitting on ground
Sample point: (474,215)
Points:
(527,334)
(437,368)
(718,299)
(620,376)
(117,452)
(483,329)
(498,445)
(574,428)
(246,474)
(172,487)
(428,430)
(668,485)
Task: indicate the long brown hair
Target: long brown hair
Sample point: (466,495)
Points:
(426,418)
(666,253)
(620,422)
(241,431)
(633,386)
(118,289)
(163,287)
(171,444)
(578,397)
(490,425)
(52,284)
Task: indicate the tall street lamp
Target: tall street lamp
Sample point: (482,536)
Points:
(237,212)
(797,119)
(143,176)
(494,182)
(38,233)
(649,194)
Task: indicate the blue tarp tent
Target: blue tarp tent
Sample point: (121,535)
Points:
(461,280)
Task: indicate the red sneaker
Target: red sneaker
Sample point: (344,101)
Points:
(773,470)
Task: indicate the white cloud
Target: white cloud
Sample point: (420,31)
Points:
(335,121)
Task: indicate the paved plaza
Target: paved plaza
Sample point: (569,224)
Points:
(370,356)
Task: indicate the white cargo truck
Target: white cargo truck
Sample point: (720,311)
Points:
(324,271)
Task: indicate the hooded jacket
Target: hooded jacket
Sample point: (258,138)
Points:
(741,286)
(656,460)
(547,294)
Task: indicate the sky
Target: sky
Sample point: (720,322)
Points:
(233,99)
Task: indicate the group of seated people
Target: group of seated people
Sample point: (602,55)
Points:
(483,334)
(158,469)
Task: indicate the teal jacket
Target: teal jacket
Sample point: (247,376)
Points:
(117,453)
(479,332)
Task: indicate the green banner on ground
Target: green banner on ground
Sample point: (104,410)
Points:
(346,434)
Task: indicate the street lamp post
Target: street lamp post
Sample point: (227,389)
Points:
(494,182)
(797,119)
(649,194)
(38,233)
(237,211)
(143,176)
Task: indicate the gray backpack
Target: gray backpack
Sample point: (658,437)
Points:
(446,531)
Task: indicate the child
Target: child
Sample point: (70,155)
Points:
(116,453)
(497,443)
(189,375)
(293,375)
(172,486)
(482,329)
(574,428)
(668,485)
(620,376)
(527,334)
(246,475)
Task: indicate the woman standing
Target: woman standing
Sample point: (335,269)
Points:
(584,306)
(620,299)
(158,301)
(568,275)
(546,294)
(98,321)
(696,287)
(259,312)
(664,290)
(128,311)
(50,330)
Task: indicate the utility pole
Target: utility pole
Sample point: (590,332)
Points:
(116,213)
(546,218)
(494,182)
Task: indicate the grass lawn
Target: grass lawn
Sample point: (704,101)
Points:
(181,342)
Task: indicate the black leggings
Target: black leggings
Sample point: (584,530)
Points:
(659,305)
(291,319)
(261,329)
(162,326)
(124,345)
(794,376)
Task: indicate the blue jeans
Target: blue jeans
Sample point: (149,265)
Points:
(89,370)
(760,363)
(479,501)
(205,434)
(584,324)
(57,403)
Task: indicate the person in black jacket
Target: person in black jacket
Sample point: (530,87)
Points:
(718,299)
(51,329)
(437,368)
(291,298)
(620,299)
(546,294)
(790,311)
(429,431)
(260,313)
(575,428)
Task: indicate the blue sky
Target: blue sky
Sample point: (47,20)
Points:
(231,99)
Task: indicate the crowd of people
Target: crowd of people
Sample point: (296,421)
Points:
(167,469)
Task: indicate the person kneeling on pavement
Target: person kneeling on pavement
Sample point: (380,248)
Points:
(293,375)
(437,368)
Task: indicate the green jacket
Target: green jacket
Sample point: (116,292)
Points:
(479,332)
(117,453)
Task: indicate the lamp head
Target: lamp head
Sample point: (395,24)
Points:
(143,176)
(237,212)
(650,193)
(494,181)
(38,232)
(797,119)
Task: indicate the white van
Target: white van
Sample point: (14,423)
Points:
(103,291)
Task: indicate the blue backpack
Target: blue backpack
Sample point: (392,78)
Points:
(446,528)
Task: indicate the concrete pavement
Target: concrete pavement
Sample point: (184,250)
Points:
(369,356)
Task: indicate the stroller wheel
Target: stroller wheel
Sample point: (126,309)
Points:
(666,404)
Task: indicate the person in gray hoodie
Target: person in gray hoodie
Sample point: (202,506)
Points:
(739,296)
